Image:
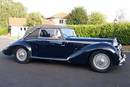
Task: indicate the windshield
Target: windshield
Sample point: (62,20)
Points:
(68,32)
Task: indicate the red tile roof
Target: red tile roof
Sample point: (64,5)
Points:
(17,21)
(47,22)
(60,15)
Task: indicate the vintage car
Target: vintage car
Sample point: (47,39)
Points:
(52,42)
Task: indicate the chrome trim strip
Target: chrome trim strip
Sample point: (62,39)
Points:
(83,42)
(62,40)
(46,58)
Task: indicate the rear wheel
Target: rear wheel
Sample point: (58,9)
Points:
(22,55)
(101,61)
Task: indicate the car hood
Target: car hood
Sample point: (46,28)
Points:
(95,40)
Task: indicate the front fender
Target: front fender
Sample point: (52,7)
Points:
(9,50)
(87,50)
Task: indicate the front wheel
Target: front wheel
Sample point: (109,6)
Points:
(101,61)
(22,55)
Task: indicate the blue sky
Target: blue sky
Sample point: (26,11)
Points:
(110,8)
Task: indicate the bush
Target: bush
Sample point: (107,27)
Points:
(3,31)
(104,31)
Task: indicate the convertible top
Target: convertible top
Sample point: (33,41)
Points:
(45,26)
(51,26)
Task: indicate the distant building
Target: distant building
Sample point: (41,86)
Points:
(58,19)
(17,26)
(47,21)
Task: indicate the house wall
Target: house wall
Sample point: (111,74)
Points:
(57,21)
(18,30)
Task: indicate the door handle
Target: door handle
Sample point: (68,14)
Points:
(62,45)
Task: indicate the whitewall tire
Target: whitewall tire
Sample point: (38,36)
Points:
(101,61)
(22,55)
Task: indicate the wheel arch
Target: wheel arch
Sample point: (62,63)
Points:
(15,46)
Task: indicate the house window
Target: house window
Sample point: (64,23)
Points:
(24,29)
(21,29)
(61,21)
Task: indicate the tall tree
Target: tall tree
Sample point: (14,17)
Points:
(18,10)
(8,8)
(96,18)
(4,8)
(34,18)
(77,16)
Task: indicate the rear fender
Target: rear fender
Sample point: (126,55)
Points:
(12,48)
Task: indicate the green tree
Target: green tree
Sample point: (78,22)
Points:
(8,8)
(77,16)
(34,18)
(18,10)
(4,8)
(96,18)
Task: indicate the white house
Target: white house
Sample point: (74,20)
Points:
(17,26)
(58,19)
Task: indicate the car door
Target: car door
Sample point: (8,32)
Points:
(50,44)
(51,48)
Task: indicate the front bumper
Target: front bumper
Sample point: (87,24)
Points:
(122,56)
(122,60)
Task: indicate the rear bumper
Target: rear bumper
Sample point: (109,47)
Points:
(6,52)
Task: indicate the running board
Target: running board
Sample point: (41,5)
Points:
(45,58)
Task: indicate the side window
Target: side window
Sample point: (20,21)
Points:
(35,33)
(44,33)
(24,29)
(50,33)
(21,29)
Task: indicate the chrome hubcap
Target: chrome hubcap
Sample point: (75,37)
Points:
(21,54)
(101,61)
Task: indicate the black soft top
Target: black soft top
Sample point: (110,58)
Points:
(51,27)
(36,29)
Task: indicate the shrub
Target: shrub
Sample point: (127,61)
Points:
(3,31)
(104,31)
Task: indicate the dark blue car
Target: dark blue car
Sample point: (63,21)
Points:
(51,42)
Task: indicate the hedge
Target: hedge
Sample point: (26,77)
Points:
(3,31)
(104,31)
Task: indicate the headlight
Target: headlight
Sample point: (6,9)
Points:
(115,43)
